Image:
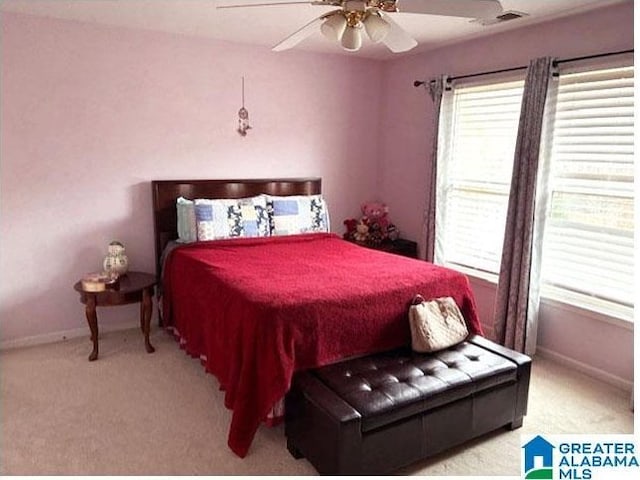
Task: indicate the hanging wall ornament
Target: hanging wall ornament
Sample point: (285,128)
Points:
(243,116)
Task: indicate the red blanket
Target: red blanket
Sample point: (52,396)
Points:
(260,308)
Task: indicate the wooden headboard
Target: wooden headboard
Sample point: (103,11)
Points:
(165,193)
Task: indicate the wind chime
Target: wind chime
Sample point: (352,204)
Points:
(243,116)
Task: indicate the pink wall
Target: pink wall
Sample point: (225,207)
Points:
(408,125)
(91,114)
(407,111)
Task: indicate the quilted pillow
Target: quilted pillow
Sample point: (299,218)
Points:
(187,231)
(297,214)
(227,218)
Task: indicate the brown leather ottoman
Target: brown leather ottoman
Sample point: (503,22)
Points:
(374,414)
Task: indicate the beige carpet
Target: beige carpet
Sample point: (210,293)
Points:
(137,414)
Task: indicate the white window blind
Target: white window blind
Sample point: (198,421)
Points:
(587,256)
(479,126)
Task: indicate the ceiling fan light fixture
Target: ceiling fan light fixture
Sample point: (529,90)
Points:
(352,39)
(334,26)
(376,27)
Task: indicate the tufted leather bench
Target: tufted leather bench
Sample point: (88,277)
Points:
(374,414)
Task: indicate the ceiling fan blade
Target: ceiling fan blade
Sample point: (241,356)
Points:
(299,35)
(397,40)
(452,8)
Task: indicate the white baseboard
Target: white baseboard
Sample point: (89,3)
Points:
(587,369)
(63,335)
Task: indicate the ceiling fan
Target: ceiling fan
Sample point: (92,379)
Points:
(346,23)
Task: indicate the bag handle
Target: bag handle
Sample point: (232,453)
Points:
(417,300)
(443,308)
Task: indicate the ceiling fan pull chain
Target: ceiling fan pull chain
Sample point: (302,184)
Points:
(243,116)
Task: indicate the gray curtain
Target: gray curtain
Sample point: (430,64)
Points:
(436,89)
(513,326)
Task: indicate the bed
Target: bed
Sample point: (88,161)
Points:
(256,310)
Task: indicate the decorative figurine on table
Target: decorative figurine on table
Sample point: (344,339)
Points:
(350,224)
(362,233)
(392,232)
(374,226)
(116,262)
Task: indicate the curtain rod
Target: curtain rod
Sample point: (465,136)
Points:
(589,57)
(418,83)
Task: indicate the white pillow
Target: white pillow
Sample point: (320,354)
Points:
(187,232)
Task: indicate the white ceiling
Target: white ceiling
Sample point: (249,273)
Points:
(268,25)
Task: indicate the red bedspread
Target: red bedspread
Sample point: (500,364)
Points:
(260,308)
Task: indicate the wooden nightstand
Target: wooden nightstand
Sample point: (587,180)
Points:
(133,287)
(406,248)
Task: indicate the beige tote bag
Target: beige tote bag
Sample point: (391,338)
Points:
(436,324)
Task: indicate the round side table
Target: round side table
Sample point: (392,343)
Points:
(133,287)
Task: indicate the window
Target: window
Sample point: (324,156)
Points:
(479,126)
(587,157)
(587,255)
